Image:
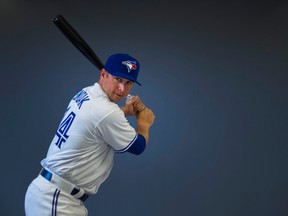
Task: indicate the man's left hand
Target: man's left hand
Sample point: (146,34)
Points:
(133,106)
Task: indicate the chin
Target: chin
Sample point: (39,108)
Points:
(116,98)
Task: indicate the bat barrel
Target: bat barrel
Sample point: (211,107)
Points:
(73,36)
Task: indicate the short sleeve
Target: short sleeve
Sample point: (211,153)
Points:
(116,130)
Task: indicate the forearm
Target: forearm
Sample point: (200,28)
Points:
(143,130)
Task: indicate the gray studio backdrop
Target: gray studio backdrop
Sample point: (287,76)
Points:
(214,73)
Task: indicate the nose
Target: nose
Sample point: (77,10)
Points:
(121,87)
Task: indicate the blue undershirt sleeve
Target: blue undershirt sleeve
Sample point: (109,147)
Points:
(138,146)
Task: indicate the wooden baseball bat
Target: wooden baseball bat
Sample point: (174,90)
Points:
(73,36)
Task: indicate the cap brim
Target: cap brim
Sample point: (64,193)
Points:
(125,77)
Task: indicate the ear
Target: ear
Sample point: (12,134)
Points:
(102,73)
(102,76)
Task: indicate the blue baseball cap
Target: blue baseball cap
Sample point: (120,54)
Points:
(124,66)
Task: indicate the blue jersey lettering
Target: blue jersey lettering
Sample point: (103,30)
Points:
(63,129)
(80,98)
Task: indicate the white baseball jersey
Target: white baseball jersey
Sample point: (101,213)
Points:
(91,131)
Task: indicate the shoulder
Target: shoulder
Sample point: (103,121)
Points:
(92,102)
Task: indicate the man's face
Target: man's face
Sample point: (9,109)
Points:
(116,88)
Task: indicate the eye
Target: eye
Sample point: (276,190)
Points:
(118,79)
(129,82)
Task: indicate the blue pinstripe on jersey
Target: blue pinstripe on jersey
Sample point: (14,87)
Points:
(55,202)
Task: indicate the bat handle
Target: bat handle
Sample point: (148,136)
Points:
(128,97)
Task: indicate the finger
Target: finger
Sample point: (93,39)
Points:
(139,106)
(142,109)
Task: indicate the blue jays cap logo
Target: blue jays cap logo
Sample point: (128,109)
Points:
(131,65)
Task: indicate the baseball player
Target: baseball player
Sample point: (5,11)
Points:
(94,127)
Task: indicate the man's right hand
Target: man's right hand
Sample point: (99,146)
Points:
(145,120)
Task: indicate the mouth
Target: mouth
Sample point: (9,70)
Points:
(119,95)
